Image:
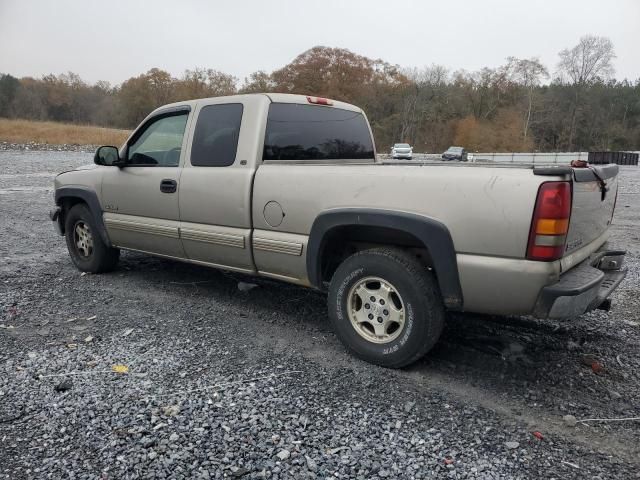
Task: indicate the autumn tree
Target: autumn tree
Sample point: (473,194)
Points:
(258,82)
(139,95)
(203,83)
(333,72)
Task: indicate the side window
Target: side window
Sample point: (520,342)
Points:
(310,132)
(215,140)
(160,143)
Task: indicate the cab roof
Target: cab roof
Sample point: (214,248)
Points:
(273,97)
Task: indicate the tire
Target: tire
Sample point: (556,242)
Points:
(86,248)
(415,290)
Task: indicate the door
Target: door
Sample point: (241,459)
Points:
(140,199)
(215,193)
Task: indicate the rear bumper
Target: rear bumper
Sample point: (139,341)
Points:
(582,288)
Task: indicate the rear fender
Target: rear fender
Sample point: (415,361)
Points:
(431,233)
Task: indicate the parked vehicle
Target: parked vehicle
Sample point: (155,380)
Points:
(402,150)
(455,153)
(289,187)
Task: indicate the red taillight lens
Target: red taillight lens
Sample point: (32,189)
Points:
(319,101)
(550,224)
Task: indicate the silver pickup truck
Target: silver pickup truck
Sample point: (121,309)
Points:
(289,187)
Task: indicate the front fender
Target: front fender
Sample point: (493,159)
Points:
(89,197)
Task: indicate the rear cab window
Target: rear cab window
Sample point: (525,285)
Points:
(298,132)
(215,139)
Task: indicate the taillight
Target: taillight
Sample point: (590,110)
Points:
(550,223)
(319,101)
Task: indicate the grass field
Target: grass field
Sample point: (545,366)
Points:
(54,133)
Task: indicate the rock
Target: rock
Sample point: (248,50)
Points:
(152,455)
(409,406)
(174,437)
(88,339)
(32,355)
(171,410)
(283,454)
(311,463)
(512,445)
(240,472)
(333,451)
(246,287)
(148,442)
(614,395)
(570,420)
(64,385)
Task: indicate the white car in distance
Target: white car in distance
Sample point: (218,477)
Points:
(402,150)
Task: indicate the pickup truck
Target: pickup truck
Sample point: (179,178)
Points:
(290,187)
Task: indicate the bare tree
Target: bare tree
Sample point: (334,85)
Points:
(424,84)
(580,66)
(588,61)
(527,72)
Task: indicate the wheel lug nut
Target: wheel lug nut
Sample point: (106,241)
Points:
(381,302)
(371,316)
(386,312)
(372,298)
(379,319)
(367,306)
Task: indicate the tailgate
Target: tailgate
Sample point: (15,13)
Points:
(594,195)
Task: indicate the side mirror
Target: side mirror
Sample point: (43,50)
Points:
(107,155)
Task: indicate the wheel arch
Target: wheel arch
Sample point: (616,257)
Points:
(68,196)
(402,229)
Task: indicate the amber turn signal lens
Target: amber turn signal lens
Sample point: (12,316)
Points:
(552,226)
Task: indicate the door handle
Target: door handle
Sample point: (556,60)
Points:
(168,186)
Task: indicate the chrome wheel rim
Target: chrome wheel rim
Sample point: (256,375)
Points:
(83,239)
(376,310)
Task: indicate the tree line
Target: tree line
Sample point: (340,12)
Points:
(521,105)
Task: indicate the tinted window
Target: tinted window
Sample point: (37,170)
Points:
(159,143)
(309,132)
(215,140)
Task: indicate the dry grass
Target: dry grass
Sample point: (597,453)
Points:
(54,133)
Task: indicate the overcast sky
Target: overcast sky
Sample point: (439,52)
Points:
(113,40)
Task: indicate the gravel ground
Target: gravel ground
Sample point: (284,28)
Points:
(225,383)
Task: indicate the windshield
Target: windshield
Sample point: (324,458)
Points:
(401,145)
(455,149)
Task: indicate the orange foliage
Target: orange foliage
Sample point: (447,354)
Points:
(503,133)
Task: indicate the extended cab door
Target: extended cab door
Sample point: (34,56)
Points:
(216,182)
(140,199)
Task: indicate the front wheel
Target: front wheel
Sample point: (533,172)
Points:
(386,307)
(86,248)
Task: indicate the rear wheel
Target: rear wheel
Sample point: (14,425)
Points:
(385,307)
(86,248)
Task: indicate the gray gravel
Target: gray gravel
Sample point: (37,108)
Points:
(251,383)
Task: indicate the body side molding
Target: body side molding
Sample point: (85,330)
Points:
(433,234)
